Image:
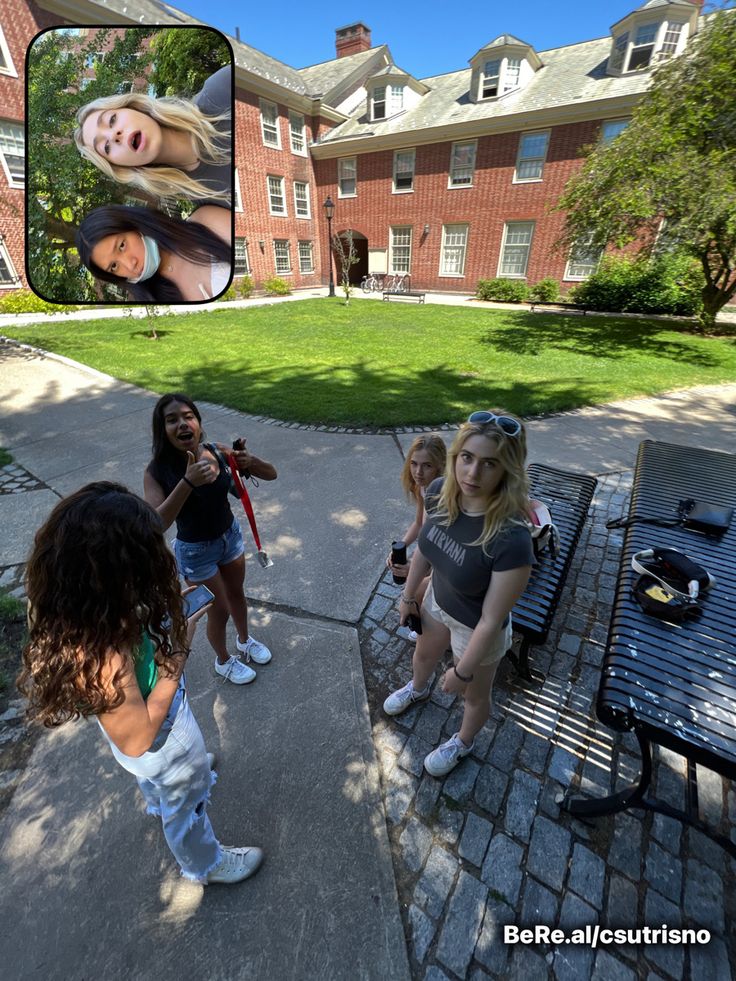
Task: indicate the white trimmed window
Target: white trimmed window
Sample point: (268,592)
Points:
(582,262)
(301,199)
(238,198)
(517,241)
(297,135)
(379,102)
(282,256)
(8,277)
(270,124)
(462,164)
(489,79)
(396,98)
(94,58)
(276,196)
(619,52)
(611,129)
(512,74)
(671,39)
(643,47)
(6,62)
(454,246)
(242,260)
(532,153)
(347,184)
(400,251)
(12,153)
(306,259)
(404,170)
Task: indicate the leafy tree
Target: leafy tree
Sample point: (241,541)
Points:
(185,59)
(62,187)
(675,161)
(347,255)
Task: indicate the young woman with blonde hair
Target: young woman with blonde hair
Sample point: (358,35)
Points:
(477,545)
(168,147)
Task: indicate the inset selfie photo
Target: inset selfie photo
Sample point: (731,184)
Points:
(130,166)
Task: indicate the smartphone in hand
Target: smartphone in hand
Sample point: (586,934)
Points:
(193,602)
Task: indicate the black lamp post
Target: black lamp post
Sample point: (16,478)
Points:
(329,207)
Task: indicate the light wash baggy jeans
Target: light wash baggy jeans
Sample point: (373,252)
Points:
(175,780)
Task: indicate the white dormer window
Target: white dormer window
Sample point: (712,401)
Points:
(643,47)
(489,79)
(671,41)
(619,51)
(397,98)
(379,102)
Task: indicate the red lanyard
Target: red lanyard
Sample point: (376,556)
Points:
(245,499)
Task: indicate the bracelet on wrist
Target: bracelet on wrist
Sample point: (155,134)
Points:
(405,599)
(462,677)
(188,481)
(186,652)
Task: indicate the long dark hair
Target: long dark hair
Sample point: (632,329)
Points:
(99,575)
(188,239)
(161,449)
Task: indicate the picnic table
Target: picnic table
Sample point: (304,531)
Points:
(673,685)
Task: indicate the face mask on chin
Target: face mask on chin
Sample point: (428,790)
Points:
(153,259)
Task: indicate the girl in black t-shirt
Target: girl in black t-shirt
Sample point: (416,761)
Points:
(476,544)
(187,481)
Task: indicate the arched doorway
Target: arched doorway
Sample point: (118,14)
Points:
(360,268)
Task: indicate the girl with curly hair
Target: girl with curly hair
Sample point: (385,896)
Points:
(168,147)
(477,545)
(110,640)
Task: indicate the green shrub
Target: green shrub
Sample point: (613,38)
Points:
(245,287)
(229,294)
(665,284)
(26,301)
(502,290)
(545,291)
(276,286)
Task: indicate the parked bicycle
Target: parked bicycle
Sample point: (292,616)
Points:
(373,283)
(397,284)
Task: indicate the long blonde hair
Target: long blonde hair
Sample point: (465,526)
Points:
(510,499)
(171,112)
(437,452)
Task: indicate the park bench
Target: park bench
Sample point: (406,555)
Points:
(674,686)
(557,303)
(404,295)
(568,497)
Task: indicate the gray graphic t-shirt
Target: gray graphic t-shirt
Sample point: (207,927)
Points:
(461,572)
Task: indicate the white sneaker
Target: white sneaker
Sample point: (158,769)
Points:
(447,756)
(398,701)
(234,670)
(236,864)
(254,650)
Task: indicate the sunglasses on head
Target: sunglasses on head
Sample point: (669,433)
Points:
(511,427)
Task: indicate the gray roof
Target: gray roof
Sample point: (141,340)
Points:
(503,39)
(571,75)
(328,76)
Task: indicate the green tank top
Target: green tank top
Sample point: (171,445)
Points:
(146,671)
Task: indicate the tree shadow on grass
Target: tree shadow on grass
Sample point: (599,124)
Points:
(384,398)
(596,337)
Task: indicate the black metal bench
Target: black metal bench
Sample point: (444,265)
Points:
(674,686)
(568,496)
(404,295)
(557,303)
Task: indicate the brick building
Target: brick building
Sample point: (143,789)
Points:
(449,178)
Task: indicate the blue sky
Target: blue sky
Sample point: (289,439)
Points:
(422,39)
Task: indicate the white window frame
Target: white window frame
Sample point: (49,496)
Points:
(582,255)
(306,256)
(305,200)
(675,42)
(272,193)
(241,245)
(502,258)
(8,68)
(522,158)
(382,102)
(238,202)
(641,45)
(270,127)
(612,122)
(341,165)
(14,277)
(453,181)
(486,76)
(19,138)
(409,154)
(618,55)
(455,229)
(298,133)
(395,98)
(285,254)
(510,73)
(93,57)
(394,233)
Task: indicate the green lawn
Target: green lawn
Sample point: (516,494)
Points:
(380,364)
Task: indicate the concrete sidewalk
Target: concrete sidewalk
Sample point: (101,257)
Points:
(89,887)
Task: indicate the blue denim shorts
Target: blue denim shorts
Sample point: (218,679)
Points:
(199,561)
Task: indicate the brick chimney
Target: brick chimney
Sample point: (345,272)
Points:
(352,39)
